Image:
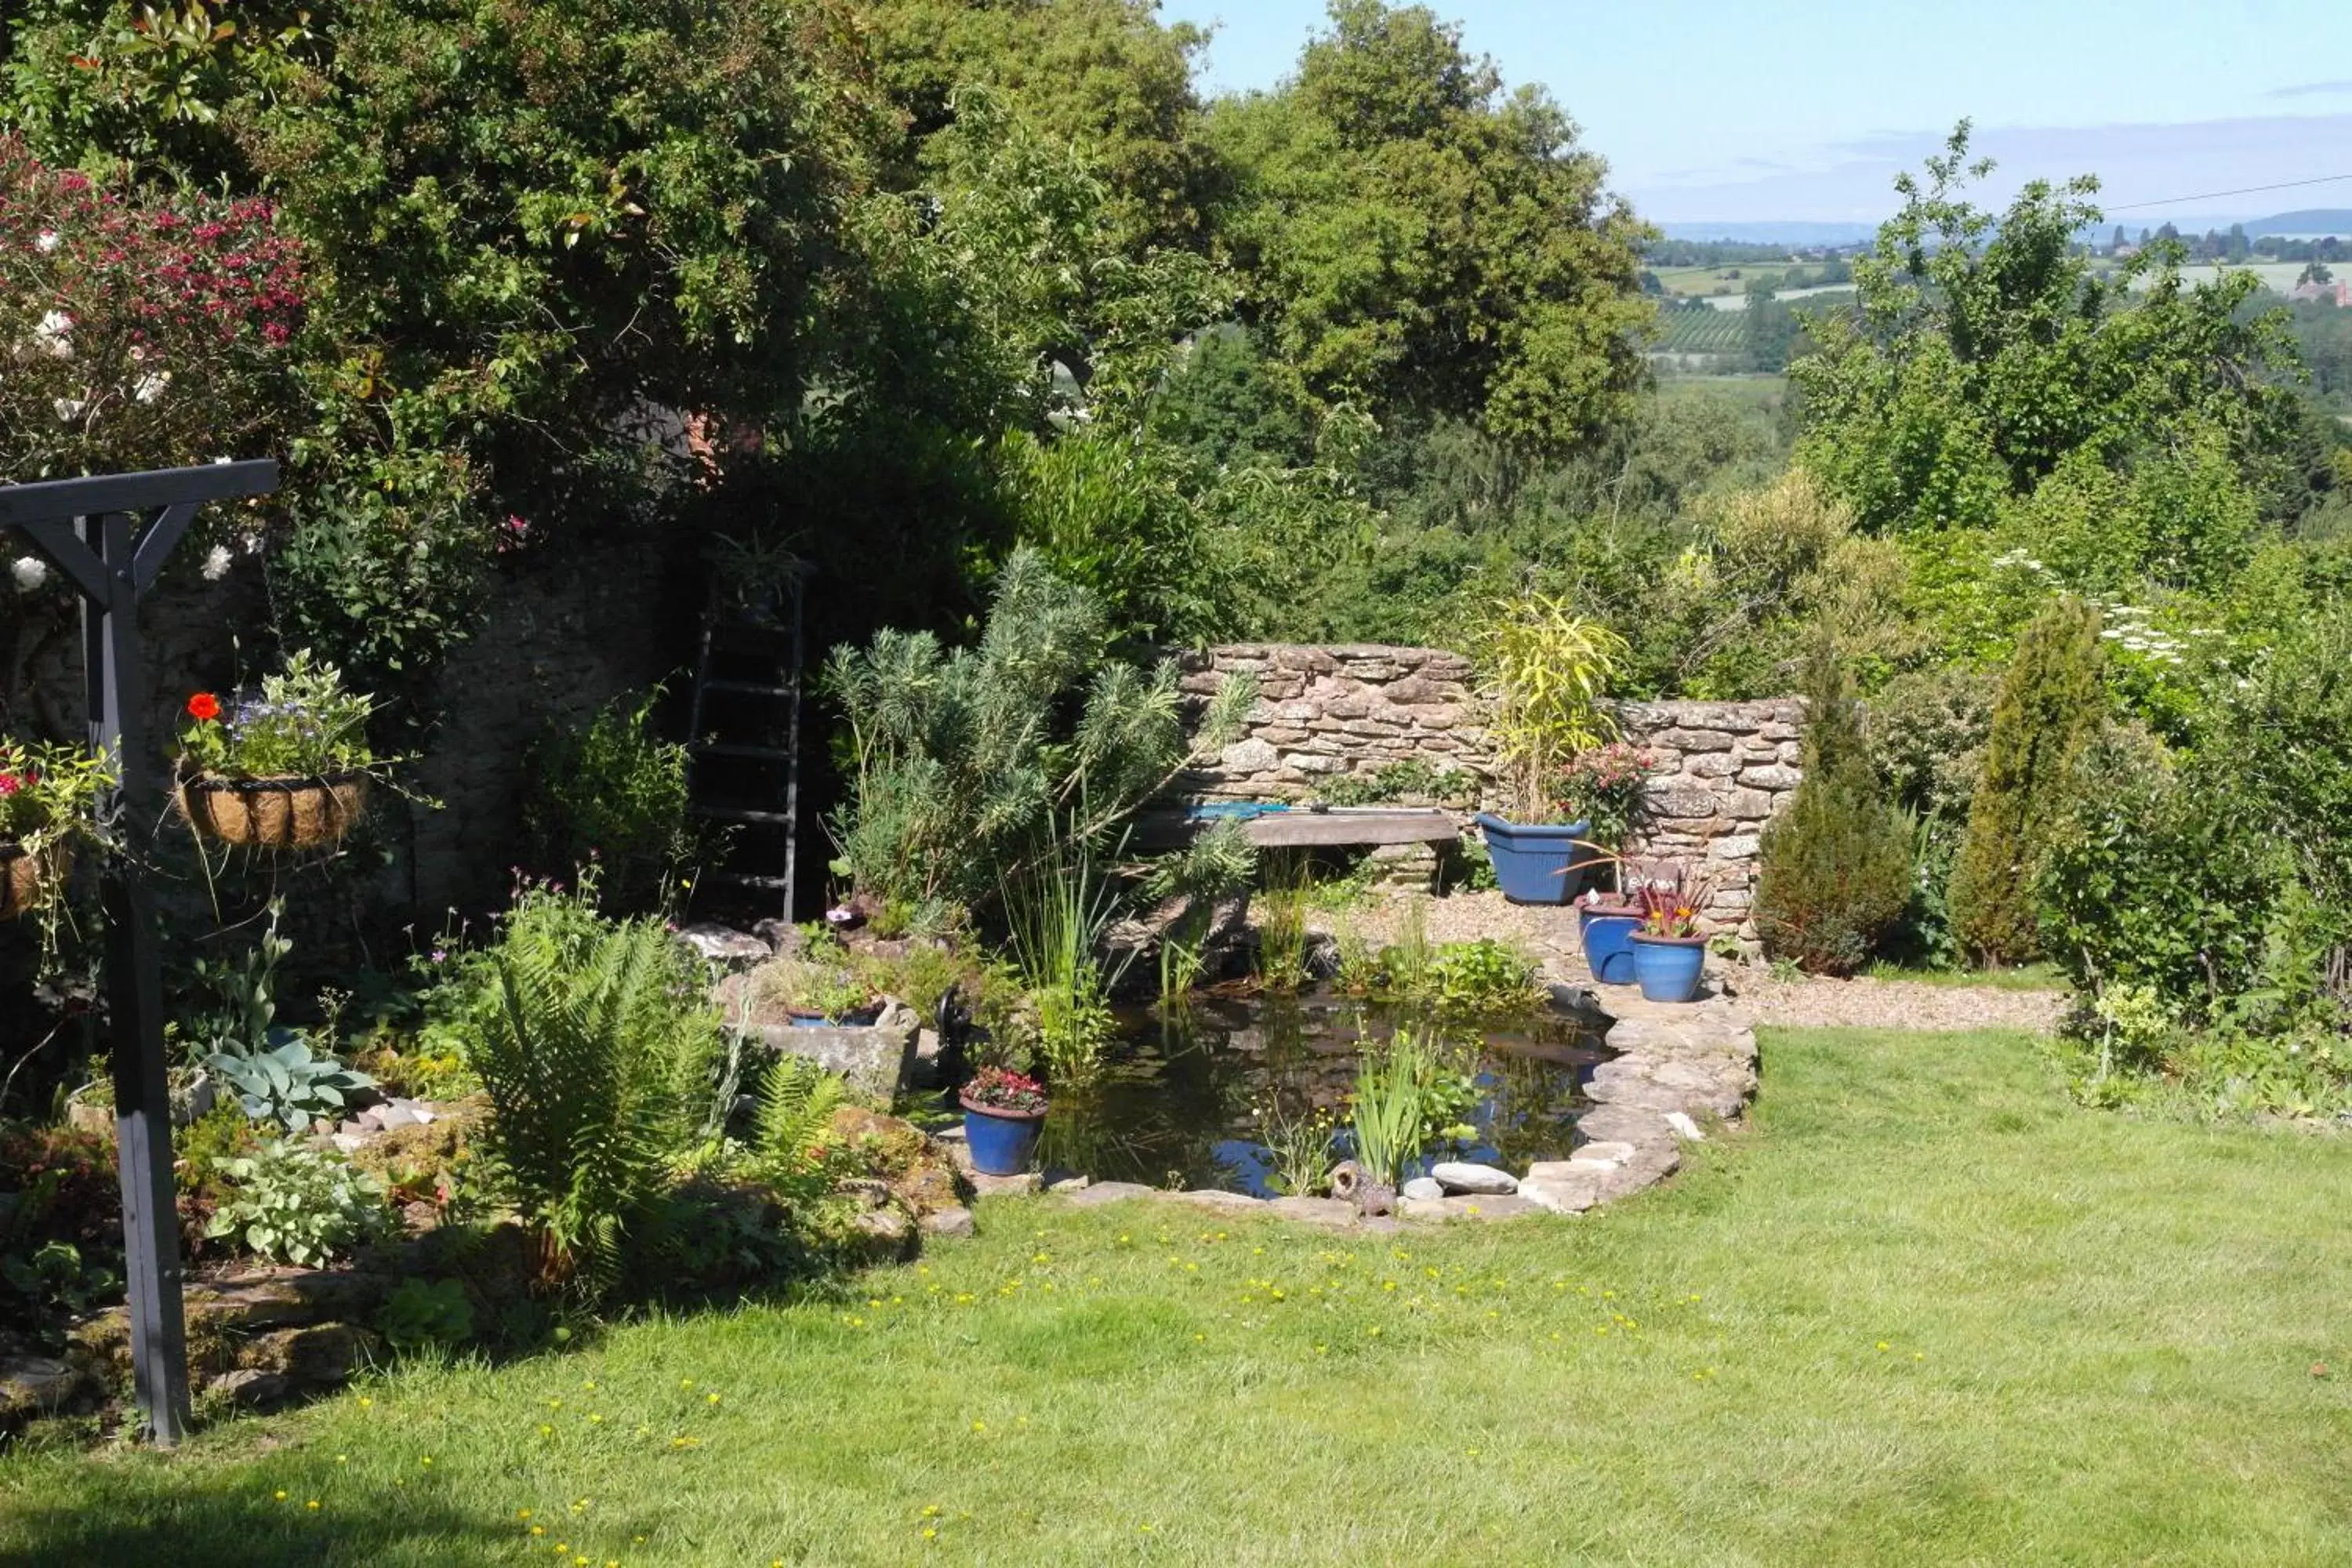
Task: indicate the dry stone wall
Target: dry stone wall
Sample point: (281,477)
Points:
(1324,713)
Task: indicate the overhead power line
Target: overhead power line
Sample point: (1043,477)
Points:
(2242,190)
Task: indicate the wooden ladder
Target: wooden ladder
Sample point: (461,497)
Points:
(743,742)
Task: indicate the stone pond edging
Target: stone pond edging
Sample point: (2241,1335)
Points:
(1677,1068)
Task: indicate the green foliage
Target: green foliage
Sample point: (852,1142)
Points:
(965,764)
(285,1082)
(49,794)
(797,1100)
(304,723)
(612,792)
(1056,915)
(420,1314)
(2051,701)
(597,1052)
(1408,234)
(1545,668)
(1835,869)
(1483,978)
(1297,1145)
(1987,364)
(1408,1093)
(288,1202)
(1415,779)
(60,1227)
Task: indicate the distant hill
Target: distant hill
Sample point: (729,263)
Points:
(2310,221)
(1774,233)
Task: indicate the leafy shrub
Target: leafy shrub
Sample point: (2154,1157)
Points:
(291,1204)
(1545,668)
(2051,704)
(421,1312)
(286,1083)
(598,1053)
(1415,779)
(60,1227)
(613,793)
(1835,866)
(965,765)
(1603,787)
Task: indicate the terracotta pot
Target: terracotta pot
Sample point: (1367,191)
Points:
(274,813)
(25,878)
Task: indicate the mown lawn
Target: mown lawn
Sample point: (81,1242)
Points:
(1926,1311)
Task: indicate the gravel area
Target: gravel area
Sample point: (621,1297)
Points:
(1806,1001)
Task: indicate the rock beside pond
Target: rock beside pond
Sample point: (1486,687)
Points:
(728,947)
(1495,1205)
(1462,1176)
(1422,1188)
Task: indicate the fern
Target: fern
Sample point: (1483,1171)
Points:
(796,1106)
(597,1052)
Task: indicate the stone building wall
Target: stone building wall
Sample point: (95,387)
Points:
(1324,713)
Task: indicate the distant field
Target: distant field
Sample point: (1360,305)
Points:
(1759,391)
(1700,333)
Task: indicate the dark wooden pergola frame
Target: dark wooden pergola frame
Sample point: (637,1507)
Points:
(92,529)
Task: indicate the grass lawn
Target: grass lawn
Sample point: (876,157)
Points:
(2023,977)
(1924,1310)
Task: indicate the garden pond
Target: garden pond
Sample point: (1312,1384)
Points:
(1178,1101)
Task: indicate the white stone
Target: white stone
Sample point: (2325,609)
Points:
(1464,1176)
(1685,1128)
(1422,1188)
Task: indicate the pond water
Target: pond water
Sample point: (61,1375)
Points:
(1173,1106)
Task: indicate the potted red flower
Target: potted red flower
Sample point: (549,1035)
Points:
(1004,1112)
(1669,953)
(287,767)
(48,796)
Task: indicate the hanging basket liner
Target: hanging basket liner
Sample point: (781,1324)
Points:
(26,877)
(274,813)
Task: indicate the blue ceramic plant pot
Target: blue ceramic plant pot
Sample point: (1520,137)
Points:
(1539,863)
(1668,966)
(1002,1142)
(1608,944)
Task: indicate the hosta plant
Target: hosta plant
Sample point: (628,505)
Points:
(284,1081)
(291,1204)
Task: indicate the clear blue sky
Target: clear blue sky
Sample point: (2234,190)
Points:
(1710,112)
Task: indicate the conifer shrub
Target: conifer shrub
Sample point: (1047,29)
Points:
(2050,705)
(1835,872)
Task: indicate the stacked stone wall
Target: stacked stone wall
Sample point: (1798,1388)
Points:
(1327,713)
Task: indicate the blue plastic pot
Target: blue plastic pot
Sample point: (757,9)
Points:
(1539,863)
(1002,1142)
(1668,966)
(1608,944)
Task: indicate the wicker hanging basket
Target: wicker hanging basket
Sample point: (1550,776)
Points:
(27,877)
(274,813)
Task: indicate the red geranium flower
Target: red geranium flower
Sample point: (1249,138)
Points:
(203,707)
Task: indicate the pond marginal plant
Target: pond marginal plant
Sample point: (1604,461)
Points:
(1407,1095)
(1057,916)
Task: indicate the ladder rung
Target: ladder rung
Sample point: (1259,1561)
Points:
(741,813)
(771,753)
(752,687)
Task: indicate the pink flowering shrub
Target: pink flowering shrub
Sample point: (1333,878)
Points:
(1603,786)
(137,331)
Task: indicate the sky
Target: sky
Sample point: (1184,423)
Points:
(1721,112)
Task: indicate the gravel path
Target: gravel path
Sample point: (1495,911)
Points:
(1806,1001)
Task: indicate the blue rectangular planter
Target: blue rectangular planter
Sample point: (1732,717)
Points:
(1539,863)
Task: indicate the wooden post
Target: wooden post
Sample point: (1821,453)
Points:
(86,529)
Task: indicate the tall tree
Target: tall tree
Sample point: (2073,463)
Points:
(1409,236)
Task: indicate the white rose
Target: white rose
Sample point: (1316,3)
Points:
(151,386)
(52,335)
(68,409)
(47,242)
(216,563)
(30,572)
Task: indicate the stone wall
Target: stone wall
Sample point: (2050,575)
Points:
(1324,713)
(1723,770)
